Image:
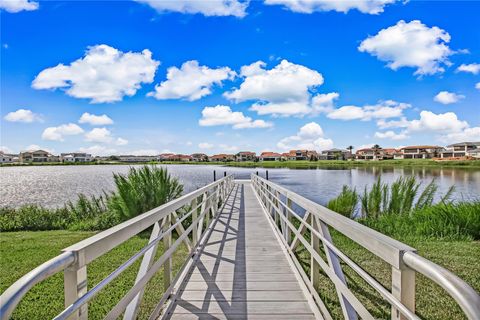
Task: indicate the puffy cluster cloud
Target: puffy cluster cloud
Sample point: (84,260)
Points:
(410,44)
(14,6)
(59,133)
(310,137)
(284,90)
(98,150)
(445,97)
(223,115)
(471,68)
(208,8)
(99,135)
(381,110)
(22,115)
(104,74)
(191,81)
(310,6)
(391,135)
(95,120)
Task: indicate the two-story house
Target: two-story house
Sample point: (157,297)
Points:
(418,152)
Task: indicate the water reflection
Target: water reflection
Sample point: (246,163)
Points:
(53,186)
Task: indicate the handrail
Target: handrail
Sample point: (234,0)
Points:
(14,294)
(75,258)
(466,297)
(403,259)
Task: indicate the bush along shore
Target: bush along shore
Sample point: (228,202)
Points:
(140,190)
(400,210)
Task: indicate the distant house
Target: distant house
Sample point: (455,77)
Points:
(184,157)
(75,157)
(199,157)
(418,152)
(245,156)
(270,156)
(222,157)
(462,149)
(7,158)
(140,158)
(37,156)
(375,154)
(289,156)
(166,156)
(334,154)
(300,154)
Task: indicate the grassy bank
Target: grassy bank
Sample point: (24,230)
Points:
(23,251)
(46,299)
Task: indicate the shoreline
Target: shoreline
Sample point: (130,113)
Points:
(300,164)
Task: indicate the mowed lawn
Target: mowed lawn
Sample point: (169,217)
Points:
(22,251)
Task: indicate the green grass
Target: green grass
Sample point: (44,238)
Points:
(45,300)
(23,251)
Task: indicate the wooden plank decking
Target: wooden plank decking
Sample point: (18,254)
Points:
(242,272)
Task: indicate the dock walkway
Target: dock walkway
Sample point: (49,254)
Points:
(242,272)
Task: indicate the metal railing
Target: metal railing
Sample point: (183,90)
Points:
(282,205)
(202,205)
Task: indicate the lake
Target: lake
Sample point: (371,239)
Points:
(52,186)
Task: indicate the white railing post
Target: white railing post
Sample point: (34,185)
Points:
(75,285)
(288,216)
(314,265)
(167,243)
(403,288)
(194,205)
(148,258)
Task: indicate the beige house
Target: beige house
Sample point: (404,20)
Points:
(462,149)
(76,157)
(270,156)
(199,157)
(37,156)
(222,157)
(245,156)
(418,152)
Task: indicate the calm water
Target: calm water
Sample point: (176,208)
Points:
(53,186)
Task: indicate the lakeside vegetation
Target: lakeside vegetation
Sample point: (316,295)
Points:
(445,232)
(138,191)
(297,164)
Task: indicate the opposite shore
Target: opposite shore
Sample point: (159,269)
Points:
(295,164)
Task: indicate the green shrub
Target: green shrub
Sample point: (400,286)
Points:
(345,203)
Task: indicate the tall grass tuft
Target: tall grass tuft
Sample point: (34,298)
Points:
(345,203)
(400,197)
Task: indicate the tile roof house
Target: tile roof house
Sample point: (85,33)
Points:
(245,156)
(461,150)
(418,152)
(270,156)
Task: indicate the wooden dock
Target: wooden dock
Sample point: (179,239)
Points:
(243,239)
(242,271)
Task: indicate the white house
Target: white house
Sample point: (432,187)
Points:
(76,157)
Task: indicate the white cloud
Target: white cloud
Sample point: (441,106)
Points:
(95,120)
(223,115)
(310,137)
(58,133)
(468,134)
(283,90)
(190,82)
(472,68)
(34,147)
(477,86)
(442,122)
(15,6)
(402,123)
(445,97)
(104,74)
(5,149)
(145,152)
(382,110)
(324,102)
(310,6)
(102,135)
(391,135)
(365,146)
(411,44)
(205,145)
(23,115)
(208,8)
(121,142)
(98,150)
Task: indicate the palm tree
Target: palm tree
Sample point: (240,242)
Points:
(350,148)
(375,148)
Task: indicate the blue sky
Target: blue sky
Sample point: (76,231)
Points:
(148,76)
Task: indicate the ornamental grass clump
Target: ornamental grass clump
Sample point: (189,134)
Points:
(345,203)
